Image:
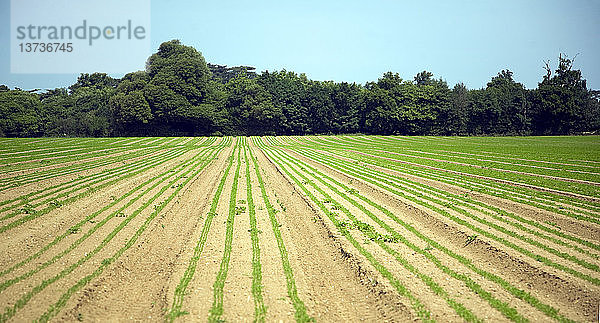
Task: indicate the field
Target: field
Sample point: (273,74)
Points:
(315,228)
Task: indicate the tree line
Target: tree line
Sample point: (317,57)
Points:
(179,94)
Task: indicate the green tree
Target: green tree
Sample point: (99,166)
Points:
(288,91)
(180,92)
(182,69)
(222,73)
(130,109)
(435,99)
(250,108)
(19,114)
(482,117)
(83,110)
(395,106)
(458,116)
(348,100)
(88,104)
(424,78)
(57,115)
(508,100)
(562,103)
(500,108)
(321,113)
(94,81)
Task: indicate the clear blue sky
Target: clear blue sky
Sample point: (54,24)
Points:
(357,41)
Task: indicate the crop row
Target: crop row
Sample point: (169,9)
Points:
(217,310)
(172,181)
(37,175)
(356,200)
(43,201)
(532,196)
(300,179)
(83,153)
(439,200)
(576,183)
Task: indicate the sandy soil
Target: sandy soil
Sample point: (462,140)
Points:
(334,280)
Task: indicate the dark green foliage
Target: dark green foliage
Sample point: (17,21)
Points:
(83,110)
(95,80)
(348,100)
(182,70)
(179,94)
(250,108)
(223,74)
(288,91)
(458,116)
(396,106)
(19,114)
(320,108)
(508,100)
(129,105)
(562,104)
(500,108)
(424,78)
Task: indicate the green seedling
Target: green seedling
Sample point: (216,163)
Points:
(346,225)
(554,224)
(239,210)
(56,203)
(470,239)
(27,209)
(283,208)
